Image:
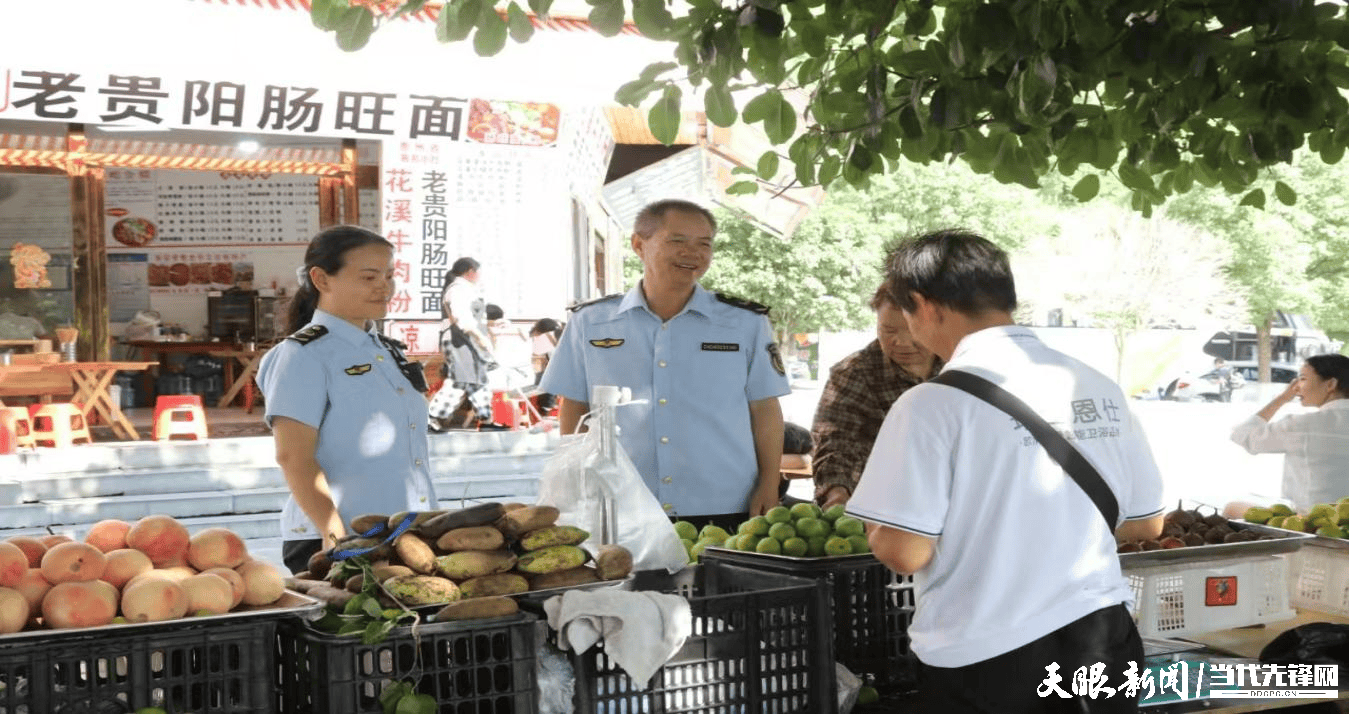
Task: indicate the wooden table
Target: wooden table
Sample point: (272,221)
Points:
(248,359)
(31,380)
(92,380)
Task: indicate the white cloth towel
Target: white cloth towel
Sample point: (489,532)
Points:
(641,630)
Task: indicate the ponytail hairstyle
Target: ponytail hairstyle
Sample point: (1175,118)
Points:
(327,252)
(461,266)
(1332,366)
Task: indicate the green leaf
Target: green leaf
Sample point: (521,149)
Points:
(371,607)
(354,28)
(829,169)
(652,18)
(518,21)
(326,13)
(1285,193)
(742,188)
(780,124)
(457,20)
(768,165)
(388,699)
(1087,188)
(745,170)
(1254,199)
(416,704)
(606,16)
(665,115)
(759,107)
(540,7)
(720,106)
(491,34)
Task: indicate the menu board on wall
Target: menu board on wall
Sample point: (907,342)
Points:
(150,209)
(445,201)
(185,272)
(128,285)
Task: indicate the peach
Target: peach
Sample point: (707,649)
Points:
(155,574)
(208,594)
(263,584)
(55,539)
(13,564)
(32,547)
(13,611)
(83,603)
(66,562)
(162,538)
(108,535)
(33,587)
(154,600)
(235,580)
(178,573)
(216,548)
(125,564)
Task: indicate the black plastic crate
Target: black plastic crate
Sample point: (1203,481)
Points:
(760,645)
(871,606)
(468,667)
(179,666)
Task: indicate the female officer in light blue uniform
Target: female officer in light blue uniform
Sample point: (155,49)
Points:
(345,407)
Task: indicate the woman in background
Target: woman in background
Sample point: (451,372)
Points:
(464,341)
(345,406)
(1315,445)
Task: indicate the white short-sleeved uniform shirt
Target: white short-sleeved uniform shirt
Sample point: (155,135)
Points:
(371,421)
(1021,550)
(1315,448)
(697,372)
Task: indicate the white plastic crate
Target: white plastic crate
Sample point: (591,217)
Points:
(1202,596)
(1319,579)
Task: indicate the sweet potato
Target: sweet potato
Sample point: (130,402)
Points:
(551,560)
(513,505)
(415,553)
(422,516)
(564,578)
(473,538)
(479,515)
(469,564)
(523,520)
(495,584)
(478,608)
(319,565)
(613,562)
(361,524)
(413,590)
(553,535)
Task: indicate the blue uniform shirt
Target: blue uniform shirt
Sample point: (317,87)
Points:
(691,441)
(371,422)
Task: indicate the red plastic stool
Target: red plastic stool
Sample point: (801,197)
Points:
(59,425)
(508,411)
(19,424)
(179,415)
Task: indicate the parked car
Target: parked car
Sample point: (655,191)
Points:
(1188,387)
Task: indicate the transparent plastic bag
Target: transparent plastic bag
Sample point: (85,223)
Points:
(584,472)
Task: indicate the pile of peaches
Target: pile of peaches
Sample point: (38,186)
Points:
(149,571)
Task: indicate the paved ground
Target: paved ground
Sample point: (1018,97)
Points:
(1199,463)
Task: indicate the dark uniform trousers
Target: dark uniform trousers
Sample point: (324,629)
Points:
(1008,683)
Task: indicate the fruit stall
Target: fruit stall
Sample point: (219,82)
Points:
(448,611)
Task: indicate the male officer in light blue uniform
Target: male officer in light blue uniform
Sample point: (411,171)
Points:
(708,440)
(371,420)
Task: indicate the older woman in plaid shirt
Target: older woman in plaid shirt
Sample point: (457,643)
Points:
(857,397)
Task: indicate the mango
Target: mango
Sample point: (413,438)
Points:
(551,559)
(553,535)
(564,578)
(1257,514)
(523,520)
(478,608)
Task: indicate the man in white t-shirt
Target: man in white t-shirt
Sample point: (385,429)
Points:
(1016,574)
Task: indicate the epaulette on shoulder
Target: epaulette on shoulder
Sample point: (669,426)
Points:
(743,304)
(588,303)
(309,334)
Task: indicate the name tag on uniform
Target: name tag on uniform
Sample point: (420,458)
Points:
(357,370)
(607,342)
(721,346)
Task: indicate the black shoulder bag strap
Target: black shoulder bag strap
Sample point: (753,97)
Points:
(1072,460)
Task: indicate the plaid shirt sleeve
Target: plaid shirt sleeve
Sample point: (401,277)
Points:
(847,420)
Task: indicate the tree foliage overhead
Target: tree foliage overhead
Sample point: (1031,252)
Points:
(1163,95)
